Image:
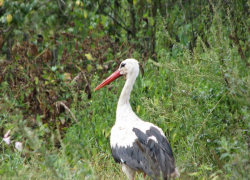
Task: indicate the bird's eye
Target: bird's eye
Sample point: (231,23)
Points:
(122,65)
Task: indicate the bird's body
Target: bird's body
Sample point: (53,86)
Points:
(138,145)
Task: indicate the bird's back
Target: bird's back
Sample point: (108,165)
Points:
(143,147)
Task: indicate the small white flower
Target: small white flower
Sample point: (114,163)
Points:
(6,137)
(7,134)
(19,146)
(7,140)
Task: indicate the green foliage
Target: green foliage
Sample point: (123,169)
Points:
(194,85)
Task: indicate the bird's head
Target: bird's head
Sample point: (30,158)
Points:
(128,68)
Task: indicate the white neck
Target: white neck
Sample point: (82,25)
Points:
(124,111)
(126,91)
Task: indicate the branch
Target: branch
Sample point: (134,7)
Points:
(58,2)
(236,40)
(63,2)
(128,30)
(117,15)
(7,30)
(117,22)
(71,113)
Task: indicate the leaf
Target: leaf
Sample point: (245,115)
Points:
(53,68)
(85,14)
(216,177)
(174,135)
(224,155)
(36,80)
(89,68)
(9,18)
(1,2)
(138,109)
(194,174)
(79,3)
(89,57)
(99,67)
(62,119)
(67,77)
(224,143)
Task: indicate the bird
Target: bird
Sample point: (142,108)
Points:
(139,146)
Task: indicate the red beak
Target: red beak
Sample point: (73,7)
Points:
(111,78)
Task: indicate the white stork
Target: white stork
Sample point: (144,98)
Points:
(138,145)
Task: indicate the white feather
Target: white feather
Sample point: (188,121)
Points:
(152,138)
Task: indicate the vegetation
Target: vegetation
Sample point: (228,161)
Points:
(194,84)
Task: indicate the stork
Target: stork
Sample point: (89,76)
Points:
(137,145)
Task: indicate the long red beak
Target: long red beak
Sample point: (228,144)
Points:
(111,78)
